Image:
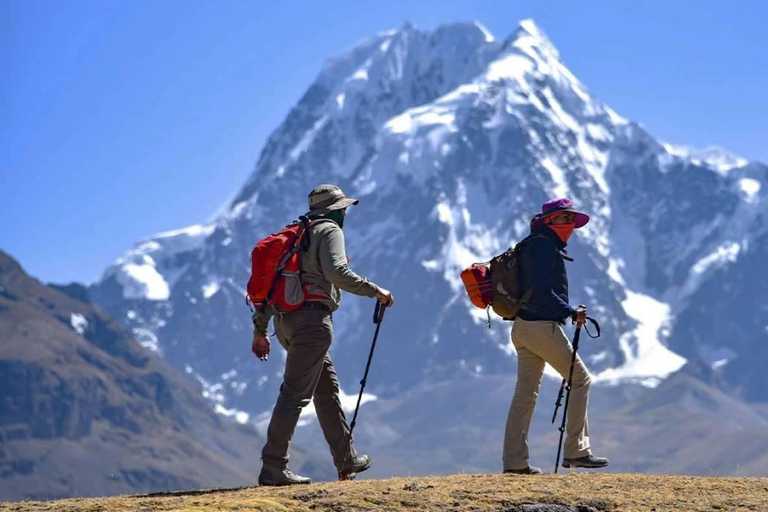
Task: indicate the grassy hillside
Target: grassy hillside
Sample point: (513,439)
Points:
(582,492)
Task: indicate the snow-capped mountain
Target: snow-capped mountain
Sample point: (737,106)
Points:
(452,139)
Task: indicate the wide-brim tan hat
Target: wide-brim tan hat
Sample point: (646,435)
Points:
(326,198)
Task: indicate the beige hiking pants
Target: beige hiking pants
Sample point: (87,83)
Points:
(538,343)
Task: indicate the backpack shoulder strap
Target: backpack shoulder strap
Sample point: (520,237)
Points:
(310,223)
(315,222)
(529,238)
(533,237)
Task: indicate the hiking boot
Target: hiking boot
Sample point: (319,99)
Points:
(354,466)
(530,470)
(588,461)
(280,476)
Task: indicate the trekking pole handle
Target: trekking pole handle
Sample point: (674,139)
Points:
(590,320)
(378,313)
(575,317)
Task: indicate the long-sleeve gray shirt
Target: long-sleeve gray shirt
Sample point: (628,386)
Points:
(325,269)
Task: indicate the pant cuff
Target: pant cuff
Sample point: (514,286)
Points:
(274,463)
(578,455)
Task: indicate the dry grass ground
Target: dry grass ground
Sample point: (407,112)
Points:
(508,493)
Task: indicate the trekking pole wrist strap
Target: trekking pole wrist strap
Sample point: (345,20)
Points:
(595,324)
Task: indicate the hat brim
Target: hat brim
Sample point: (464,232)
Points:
(581,219)
(338,205)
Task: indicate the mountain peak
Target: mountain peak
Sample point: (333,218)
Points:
(531,28)
(529,35)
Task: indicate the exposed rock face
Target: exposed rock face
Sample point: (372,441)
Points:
(85,410)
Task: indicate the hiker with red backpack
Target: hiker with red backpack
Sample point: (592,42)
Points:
(311,261)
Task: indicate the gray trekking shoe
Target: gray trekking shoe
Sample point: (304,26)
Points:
(530,470)
(278,476)
(588,461)
(355,466)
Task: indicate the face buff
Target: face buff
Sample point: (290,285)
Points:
(563,231)
(337,216)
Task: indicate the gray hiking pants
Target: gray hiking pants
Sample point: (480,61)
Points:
(538,343)
(306,335)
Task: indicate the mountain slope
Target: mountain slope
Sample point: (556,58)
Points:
(85,411)
(453,139)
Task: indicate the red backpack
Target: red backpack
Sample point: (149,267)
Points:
(275,285)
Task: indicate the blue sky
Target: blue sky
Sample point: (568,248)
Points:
(119,119)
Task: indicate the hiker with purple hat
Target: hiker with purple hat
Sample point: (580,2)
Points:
(539,338)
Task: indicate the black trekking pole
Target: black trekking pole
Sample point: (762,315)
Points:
(378,316)
(559,401)
(567,395)
(566,385)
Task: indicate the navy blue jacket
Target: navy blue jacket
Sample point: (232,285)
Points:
(543,271)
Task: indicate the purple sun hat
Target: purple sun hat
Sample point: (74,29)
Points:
(564,204)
